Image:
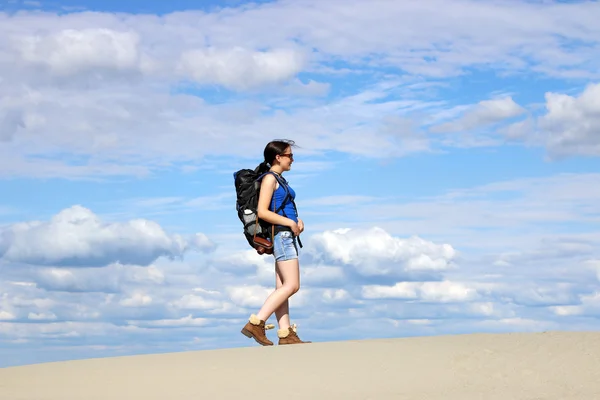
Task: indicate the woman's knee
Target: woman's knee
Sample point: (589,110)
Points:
(295,287)
(292,288)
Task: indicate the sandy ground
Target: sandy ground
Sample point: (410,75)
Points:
(532,366)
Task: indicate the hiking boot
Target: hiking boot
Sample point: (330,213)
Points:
(255,329)
(289,336)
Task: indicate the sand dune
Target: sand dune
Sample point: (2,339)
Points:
(532,366)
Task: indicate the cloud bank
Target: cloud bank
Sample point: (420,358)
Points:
(77,237)
(103,87)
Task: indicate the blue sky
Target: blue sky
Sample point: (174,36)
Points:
(447,169)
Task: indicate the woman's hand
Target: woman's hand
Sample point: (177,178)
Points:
(295,228)
(301,225)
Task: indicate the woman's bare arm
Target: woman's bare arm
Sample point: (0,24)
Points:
(267,187)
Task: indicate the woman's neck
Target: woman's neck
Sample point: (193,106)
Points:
(276,170)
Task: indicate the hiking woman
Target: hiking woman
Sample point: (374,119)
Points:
(278,157)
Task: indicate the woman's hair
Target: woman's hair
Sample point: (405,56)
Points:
(272,150)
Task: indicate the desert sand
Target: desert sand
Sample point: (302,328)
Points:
(532,366)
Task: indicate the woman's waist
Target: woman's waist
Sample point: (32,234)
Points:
(281,228)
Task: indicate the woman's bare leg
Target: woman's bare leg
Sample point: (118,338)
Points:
(283,311)
(290,278)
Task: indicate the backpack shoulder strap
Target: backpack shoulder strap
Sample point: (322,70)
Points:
(285,199)
(288,196)
(287,193)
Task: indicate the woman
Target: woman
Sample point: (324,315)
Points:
(278,157)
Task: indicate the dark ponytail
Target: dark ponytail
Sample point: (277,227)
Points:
(263,167)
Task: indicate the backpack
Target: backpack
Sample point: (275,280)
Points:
(258,233)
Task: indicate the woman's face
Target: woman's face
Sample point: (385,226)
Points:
(286,159)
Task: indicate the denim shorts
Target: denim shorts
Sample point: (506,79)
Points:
(284,246)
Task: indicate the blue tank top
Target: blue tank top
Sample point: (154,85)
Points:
(279,196)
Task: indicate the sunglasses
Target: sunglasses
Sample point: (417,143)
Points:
(290,155)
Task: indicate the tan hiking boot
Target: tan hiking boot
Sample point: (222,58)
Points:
(255,329)
(289,336)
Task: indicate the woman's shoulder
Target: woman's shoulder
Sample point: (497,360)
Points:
(269,180)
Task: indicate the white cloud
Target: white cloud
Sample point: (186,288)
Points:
(202,242)
(117,78)
(487,309)
(322,275)
(419,321)
(63,330)
(499,216)
(188,320)
(337,201)
(336,296)
(5,315)
(571,125)
(136,300)
(240,68)
(150,274)
(71,51)
(244,262)
(520,130)
(426,291)
(151,129)
(541,294)
(110,279)
(62,279)
(311,88)
(589,306)
(567,310)
(439,43)
(591,300)
(185,298)
(594,265)
(212,202)
(41,316)
(375,252)
(484,113)
(11,120)
(196,302)
(77,237)
(27,301)
(249,295)
(516,325)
